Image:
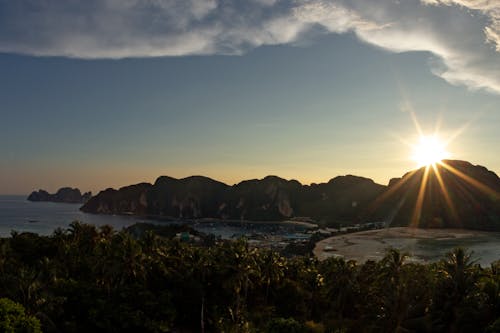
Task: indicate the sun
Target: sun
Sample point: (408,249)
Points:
(429,150)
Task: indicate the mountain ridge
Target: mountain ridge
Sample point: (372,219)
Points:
(269,198)
(342,200)
(453,194)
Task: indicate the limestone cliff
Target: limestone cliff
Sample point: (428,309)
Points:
(458,195)
(268,199)
(65,194)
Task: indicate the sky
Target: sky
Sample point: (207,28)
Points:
(97,94)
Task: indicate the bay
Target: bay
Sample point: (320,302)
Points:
(19,214)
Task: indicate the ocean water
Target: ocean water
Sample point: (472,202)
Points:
(485,248)
(19,214)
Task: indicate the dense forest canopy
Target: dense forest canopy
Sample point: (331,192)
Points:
(88,279)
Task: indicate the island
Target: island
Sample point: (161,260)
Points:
(65,194)
(272,198)
(449,194)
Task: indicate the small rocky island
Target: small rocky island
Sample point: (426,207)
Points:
(65,194)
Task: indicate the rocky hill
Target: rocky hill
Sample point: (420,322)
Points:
(456,194)
(65,194)
(453,194)
(269,199)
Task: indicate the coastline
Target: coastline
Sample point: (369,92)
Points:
(372,244)
(207,220)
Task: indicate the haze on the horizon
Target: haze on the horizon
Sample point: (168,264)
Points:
(106,94)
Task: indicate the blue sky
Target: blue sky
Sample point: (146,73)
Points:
(305,92)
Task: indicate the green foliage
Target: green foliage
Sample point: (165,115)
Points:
(282,325)
(13,318)
(88,279)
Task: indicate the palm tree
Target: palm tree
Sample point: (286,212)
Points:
(457,290)
(460,270)
(392,288)
(272,269)
(340,287)
(393,261)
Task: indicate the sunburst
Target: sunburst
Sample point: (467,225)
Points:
(430,152)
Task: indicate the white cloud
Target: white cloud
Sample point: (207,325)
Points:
(493,36)
(463,34)
(490,8)
(452,32)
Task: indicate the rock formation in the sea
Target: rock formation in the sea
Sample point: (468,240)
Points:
(65,194)
(452,194)
(269,199)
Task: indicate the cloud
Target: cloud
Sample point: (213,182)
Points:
(490,8)
(462,35)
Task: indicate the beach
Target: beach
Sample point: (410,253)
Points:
(372,245)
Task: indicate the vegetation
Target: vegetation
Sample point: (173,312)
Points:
(14,319)
(88,279)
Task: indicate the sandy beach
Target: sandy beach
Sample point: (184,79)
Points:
(372,244)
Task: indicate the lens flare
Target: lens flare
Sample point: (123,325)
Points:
(429,150)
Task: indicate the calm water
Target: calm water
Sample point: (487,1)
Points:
(485,249)
(17,213)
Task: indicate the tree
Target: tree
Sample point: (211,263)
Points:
(457,294)
(340,289)
(285,325)
(13,318)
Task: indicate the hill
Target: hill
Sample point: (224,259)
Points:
(64,194)
(450,194)
(269,199)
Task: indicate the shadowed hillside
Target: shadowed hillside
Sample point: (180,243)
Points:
(269,199)
(453,194)
(450,194)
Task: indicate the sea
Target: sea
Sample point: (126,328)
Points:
(21,215)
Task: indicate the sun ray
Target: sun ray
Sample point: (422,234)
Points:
(439,122)
(477,184)
(415,221)
(446,195)
(382,198)
(430,151)
(408,107)
(416,123)
(456,133)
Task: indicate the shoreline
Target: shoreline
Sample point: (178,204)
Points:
(207,220)
(372,244)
